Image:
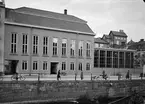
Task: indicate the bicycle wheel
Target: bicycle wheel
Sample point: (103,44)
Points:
(1,78)
(22,78)
(13,77)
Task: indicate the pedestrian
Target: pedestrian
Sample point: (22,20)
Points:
(127,75)
(58,75)
(81,75)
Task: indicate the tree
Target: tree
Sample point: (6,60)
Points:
(139,59)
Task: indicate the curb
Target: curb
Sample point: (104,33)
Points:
(39,101)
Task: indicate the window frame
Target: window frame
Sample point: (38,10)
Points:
(45,45)
(13,49)
(24,43)
(24,65)
(55,47)
(35,44)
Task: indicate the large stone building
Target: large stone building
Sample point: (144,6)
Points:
(38,41)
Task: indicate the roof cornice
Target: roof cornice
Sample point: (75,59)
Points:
(47,28)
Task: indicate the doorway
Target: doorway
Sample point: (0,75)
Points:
(11,67)
(53,69)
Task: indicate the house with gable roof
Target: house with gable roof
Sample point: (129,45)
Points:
(37,41)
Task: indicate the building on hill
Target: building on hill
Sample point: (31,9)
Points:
(107,38)
(99,42)
(139,46)
(38,41)
(116,39)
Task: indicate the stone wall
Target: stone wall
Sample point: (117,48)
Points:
(55,90)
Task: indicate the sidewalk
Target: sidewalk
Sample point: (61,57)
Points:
(34,77)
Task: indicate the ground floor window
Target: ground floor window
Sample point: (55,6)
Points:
(35,65)
(45,65)
(24,65)
(72,66)
(80,66)
(63,65)
(88,66)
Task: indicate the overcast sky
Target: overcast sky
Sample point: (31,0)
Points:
(101,15)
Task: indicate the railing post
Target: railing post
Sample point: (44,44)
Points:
(38,77)
(75,76)
(91,76)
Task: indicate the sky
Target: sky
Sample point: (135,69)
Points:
(102,16)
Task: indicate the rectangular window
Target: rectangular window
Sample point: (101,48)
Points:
(25,44)
(115,59)
(35,44)
(109,59)
(55,45)
(45,45)
(35,65)
(63,65)
(72,66)
(127,60)
(88,49)
(96,58)
(102,58)
(64,47)
(13,43)
(80,48)
(88,66)
(80,66)
(44,65)
(24,65)
(72,48)
(121,59)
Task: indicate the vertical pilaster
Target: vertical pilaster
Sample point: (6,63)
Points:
(2,33)
(99,58)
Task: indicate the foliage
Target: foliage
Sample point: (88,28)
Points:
(139,59)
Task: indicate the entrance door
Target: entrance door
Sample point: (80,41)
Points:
(53,68)
(11,67)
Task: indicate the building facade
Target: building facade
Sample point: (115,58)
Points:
(116,39)
(38,41)
(114,61)
(99,42)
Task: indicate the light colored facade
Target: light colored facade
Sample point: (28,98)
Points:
(45,48)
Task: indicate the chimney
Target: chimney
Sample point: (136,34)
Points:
(141,40)
(121,31)
(65,11)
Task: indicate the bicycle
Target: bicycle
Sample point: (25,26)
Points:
(18,77)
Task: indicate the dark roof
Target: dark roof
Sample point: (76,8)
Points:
(131,42)
(118,33)
(107,36)
(44,21)
(100,40)
(49,14)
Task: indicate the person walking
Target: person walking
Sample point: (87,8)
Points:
(127,75)
(58,75)
(82,76)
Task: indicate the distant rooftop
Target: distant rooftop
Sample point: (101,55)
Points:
(100,40)
(118,33)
